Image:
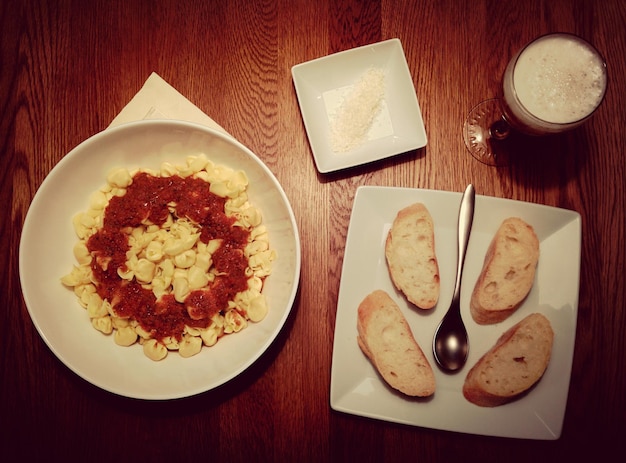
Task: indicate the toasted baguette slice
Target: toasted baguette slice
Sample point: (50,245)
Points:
(386,339)
(411,258)
(508,272)
(513,365)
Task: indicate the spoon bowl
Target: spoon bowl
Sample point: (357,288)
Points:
(451,343)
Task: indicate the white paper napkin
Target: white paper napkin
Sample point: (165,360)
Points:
(159,100)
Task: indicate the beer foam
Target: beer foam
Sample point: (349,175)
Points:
(560,79)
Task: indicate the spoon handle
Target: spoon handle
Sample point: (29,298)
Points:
(466,217)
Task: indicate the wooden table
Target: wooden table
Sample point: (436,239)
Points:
(68,67)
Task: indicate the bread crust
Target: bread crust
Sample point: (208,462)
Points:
(386,339)
(513,365)
(508,272)
(411,258)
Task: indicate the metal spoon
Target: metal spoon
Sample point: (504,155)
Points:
(450,343)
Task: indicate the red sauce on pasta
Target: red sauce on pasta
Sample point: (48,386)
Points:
(147,199)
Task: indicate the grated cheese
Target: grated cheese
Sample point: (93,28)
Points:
(357,111)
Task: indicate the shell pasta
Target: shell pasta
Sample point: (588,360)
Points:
(171,259)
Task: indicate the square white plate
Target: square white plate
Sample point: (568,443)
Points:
(356,387)
(321,84)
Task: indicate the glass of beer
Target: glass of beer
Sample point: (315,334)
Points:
(553,84)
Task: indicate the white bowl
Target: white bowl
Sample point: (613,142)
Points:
(46,255)
(322,83)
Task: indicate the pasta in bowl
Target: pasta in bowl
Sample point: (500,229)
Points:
(171,258)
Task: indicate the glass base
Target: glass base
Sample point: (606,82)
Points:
(486,133)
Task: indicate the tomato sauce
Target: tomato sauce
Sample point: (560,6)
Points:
(148,199)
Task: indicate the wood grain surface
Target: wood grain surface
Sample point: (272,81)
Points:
(67,68)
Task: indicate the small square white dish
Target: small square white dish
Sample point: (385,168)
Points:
(322,83)
(356,388)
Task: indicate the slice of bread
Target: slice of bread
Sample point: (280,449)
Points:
(386,339)
(411,258)
(513,365)
(508,272)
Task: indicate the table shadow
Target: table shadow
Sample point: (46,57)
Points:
(547,162)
